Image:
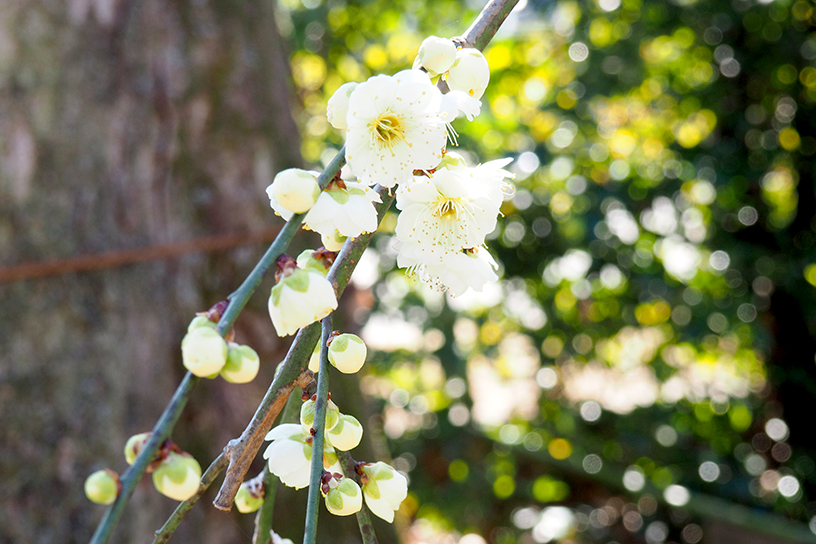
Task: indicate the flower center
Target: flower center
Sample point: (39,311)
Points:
(448,208)
(387,129)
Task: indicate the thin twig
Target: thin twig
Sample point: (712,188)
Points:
(487,23)
(318,435)
(263,519)
(363,519)
(172,523)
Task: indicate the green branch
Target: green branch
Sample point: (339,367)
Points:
(487,23)
(318,435)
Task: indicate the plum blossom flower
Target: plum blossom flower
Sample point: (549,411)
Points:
(178,476)
(293,191)
(343,495)
(346,435)
(384,489)
(469,73)
(436,55)
(345,208)
(289,455)
(452,210)
(337,108)
(300,298)
(470,268)
(395,126)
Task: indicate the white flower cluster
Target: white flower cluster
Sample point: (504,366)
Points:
(397,129)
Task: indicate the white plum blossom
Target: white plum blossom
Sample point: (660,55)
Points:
(289,455)
(300,298)
(384,489)
(395,126)
(204,351)
(242,364)
(469,268)
(347,353)
(346,435)
(436,55)
(469,73)
(293,191)
(344,496)
(344,209)
(338,106)
(452,210)
(178,476)
(456,102)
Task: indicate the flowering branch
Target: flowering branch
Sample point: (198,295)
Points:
(318,435)
(172,523)
(242,450)
(487,23)
(363,519)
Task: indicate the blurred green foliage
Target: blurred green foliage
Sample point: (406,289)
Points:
(655,313)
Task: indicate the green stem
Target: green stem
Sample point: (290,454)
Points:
(263,520)
(363,519)
(129,480)
(172,523)
(318,435)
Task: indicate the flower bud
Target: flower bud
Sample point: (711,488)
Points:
(134,446)
(102,487)
(347,353)
(344,497)
(452,161)
(469,73)
(334,242)
(314,360)
(294,191)
(346,435)
(178,476)
(384,489)
(249,497)
(338,106)
(200,321)
(316,260)
(436,55)
(242,364)
(307,414)
(300,299)
(204,351)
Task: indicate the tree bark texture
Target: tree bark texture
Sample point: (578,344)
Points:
(125,124)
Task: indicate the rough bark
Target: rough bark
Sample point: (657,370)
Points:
(125,124)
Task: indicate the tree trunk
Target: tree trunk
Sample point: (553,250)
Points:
(125,124)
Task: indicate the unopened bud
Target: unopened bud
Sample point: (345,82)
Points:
(334,242)
(344,497)
(347,353)
(102,487)
(307,414)
(436,55)
(346,435)
(178,476)
(204,351)
(134,446)
(337,109)
(242,364)
(200,321)
(294,190)
(469,73)
(249,498)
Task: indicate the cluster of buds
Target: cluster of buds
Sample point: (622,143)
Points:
(176,474)
(207,354)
